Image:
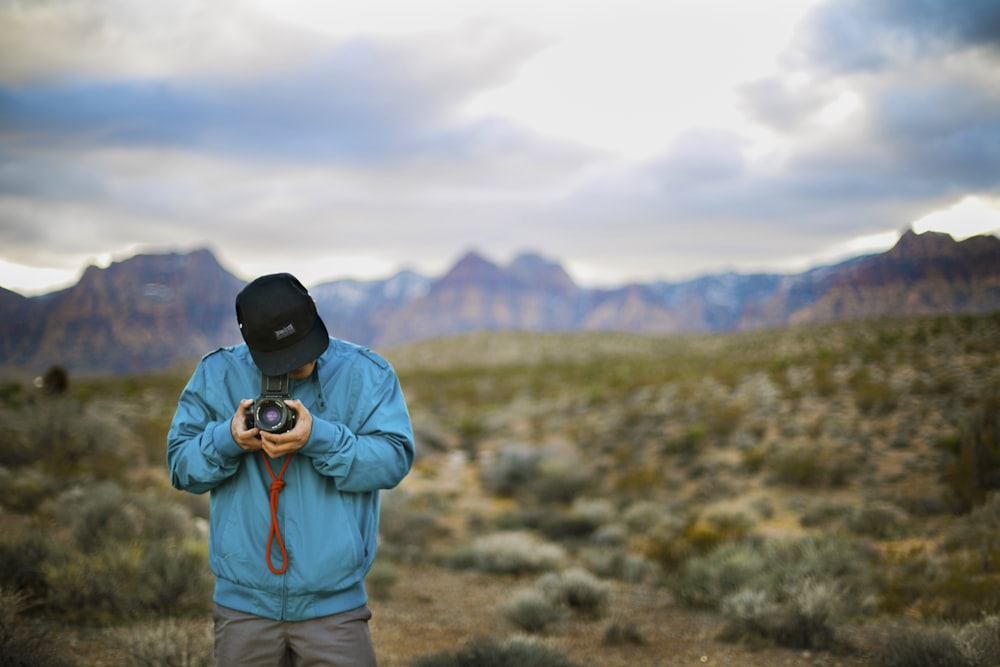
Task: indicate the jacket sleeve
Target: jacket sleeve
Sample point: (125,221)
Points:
(378,452)
(201,452)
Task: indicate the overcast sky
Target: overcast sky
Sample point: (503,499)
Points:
(627,139)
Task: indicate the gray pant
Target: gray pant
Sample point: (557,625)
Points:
(244,640)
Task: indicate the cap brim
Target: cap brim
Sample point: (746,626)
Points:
(310,348)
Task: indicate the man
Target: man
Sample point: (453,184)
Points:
(294,513)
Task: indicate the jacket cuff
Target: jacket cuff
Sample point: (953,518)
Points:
(222,437)
(324,438)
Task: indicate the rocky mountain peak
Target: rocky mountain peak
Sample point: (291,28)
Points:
(152,311)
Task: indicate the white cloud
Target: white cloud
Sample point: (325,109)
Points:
(969,217)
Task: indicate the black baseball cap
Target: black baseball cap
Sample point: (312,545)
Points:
(279,323)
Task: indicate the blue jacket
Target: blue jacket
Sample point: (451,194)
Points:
(328,511)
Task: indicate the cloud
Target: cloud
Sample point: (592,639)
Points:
(329,135)
(859,35)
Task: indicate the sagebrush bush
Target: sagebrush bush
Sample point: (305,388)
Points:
(612,561)
(974,468)
(911,646)
(542,476)
(25,548)
(803,614)
(382,577)
(22,642)
(167,643)
(512,470)
(980,641)
(577,590)
(773,565)
(409,526)
(129,554)
(510,552)
(105,512)
(882,521)
(532,611)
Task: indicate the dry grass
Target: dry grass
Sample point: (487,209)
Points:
(647,454)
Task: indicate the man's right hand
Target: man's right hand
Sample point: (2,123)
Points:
(248,440)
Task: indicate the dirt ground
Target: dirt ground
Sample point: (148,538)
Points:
(432,610)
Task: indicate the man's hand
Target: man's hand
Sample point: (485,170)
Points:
(247,439)
(279,444)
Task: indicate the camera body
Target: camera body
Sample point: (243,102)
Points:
(269,411)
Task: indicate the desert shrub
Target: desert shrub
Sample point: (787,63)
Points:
(510,552)
(561,479)
(980,641)
(974,467)
(675,538)
(23,490)
(22,643)
(25,548)
(644,515)
(104,554)
(810,465)
(821,512)
(940,585)
(104,512)
(515,652)
(614,561)
(95,588)
(513,469)
(776,566)
(173,577)
(873,397)
(531,610)
(577,590)
(802,614)
(167,643)
(541,476)
(911,646)
(12,394)
(881,521)
(382,577)
(410,524)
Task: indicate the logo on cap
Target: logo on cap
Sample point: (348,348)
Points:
(284,332)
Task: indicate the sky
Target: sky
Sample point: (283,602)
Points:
(628,140)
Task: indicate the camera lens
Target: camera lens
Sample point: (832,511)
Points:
(270,415)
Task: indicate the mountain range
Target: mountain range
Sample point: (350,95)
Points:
(150,312)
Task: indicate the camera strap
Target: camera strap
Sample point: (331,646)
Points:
(277,484)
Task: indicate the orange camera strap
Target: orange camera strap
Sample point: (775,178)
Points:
(277,484)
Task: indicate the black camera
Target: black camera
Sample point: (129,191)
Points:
(269,411)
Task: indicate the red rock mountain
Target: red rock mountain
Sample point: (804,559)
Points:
(152,311)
